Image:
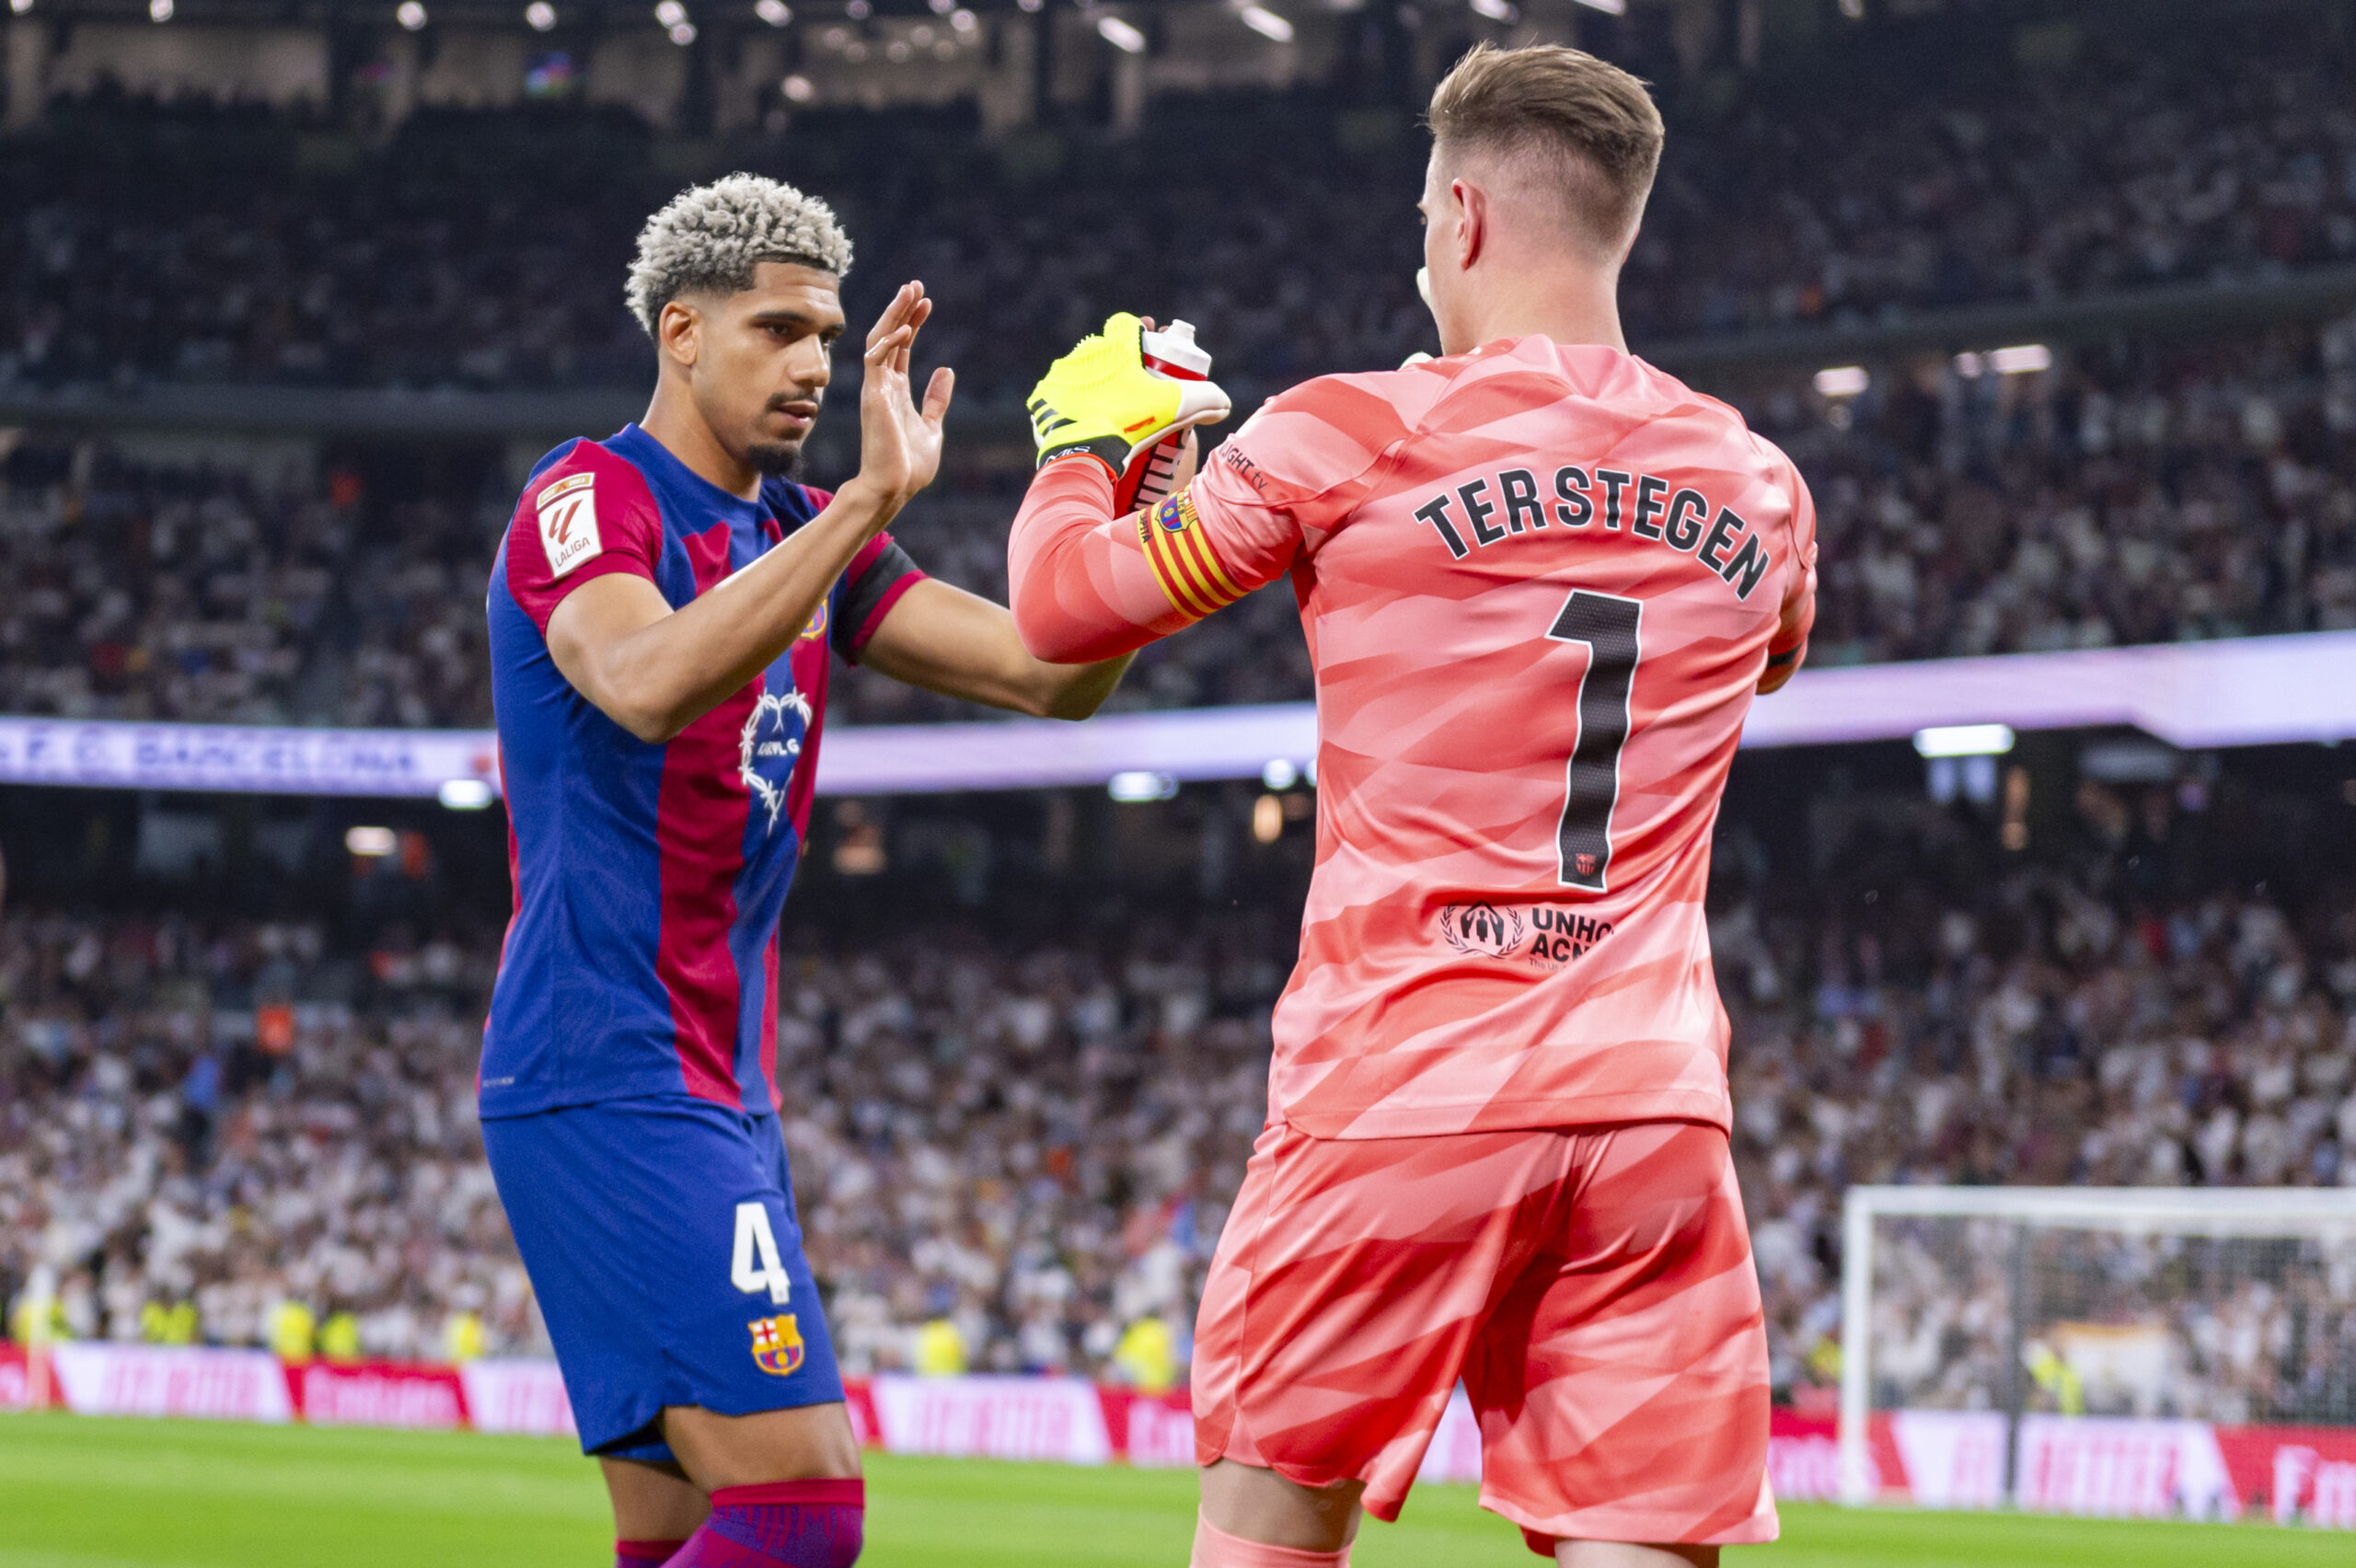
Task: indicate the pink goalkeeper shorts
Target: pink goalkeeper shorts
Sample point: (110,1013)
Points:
(1592,1289)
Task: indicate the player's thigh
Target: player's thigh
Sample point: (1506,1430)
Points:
(654,1502)
(1622,1380)
(1260,1505)
(1348,1282)
(811,1443)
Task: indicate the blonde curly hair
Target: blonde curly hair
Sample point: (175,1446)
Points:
(711,236)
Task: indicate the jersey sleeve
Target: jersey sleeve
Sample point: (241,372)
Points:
(1789,646)
(587,516)
(1088,585)
(872,584)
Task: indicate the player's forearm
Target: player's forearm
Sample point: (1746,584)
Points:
(959,645)
(668,673)
(1080,588)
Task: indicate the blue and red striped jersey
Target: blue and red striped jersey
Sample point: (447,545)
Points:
(641,955)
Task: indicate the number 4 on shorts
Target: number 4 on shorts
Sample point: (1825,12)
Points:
(756,1266)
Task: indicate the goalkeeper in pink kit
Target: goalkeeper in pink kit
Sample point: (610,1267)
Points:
(1540,583)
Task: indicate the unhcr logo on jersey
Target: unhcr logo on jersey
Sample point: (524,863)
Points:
(1481,927)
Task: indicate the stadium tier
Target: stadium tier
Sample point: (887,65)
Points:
(1035,1140)
(2176,490)
(476,246)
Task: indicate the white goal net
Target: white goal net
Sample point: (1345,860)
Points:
(2101,1350)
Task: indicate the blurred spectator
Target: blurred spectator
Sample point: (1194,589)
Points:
(221,244)
(2172,491)
(1017,1156)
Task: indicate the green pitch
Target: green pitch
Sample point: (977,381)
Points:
(83,1493)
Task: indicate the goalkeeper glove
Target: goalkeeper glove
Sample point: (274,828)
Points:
(1100,399)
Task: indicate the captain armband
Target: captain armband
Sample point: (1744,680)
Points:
(1183,559)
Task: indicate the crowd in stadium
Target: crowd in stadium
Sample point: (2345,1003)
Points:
(490,251)
(1033,1143)
(2199,490)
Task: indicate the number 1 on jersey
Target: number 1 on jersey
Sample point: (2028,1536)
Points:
(756,1266)
(1612,628)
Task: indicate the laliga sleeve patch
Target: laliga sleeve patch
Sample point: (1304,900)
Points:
(568,522)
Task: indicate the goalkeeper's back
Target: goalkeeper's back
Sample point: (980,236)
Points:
(1539,586)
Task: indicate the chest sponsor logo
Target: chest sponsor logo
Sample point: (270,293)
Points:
(568,512)
(777,1346)
(767,750)
(1553,936)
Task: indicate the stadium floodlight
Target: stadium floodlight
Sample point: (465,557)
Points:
(1964,740)
(1842,381)
(1120,35)
(1137,785)
(20,6)
(776,12)
(372,843)
(798,88)
(410,15)
(964,21)
(1970,366)
(159,10)
(1497,10)
(1267,24)
(2021,358)
(1609,7)
(464,794)
(683,33)
(941,7)
(539,16)
(1033,6)
(1281,774)
(670,12)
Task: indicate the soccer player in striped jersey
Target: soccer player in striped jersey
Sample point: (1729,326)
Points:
(662,616)
(1540,581)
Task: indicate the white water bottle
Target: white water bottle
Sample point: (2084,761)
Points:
(1153,472)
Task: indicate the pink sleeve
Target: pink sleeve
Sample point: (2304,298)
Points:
(1087,585)
(589,514)
(1078,576)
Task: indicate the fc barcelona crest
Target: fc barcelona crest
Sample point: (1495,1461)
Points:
(777,1346)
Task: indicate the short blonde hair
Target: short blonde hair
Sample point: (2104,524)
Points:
(710,237)
(1589,122)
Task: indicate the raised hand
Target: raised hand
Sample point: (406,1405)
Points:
(900,442)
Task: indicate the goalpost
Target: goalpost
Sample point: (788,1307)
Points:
(2021,1304)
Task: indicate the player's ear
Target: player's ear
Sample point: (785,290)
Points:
(677,332)
(1471,212)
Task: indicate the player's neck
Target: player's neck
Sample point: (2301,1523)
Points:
(673,419)
(1580,308)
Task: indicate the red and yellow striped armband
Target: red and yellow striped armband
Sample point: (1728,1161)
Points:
(1184,560)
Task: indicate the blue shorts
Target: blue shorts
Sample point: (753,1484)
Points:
(662,1242)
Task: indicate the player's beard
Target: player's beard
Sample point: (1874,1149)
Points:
(777,459)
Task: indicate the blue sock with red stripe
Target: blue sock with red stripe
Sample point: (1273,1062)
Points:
(645,1554)
(788,1523)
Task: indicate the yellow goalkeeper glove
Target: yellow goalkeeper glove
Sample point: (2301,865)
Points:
(1102,399)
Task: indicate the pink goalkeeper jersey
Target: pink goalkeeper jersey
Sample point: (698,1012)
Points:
(1539,586)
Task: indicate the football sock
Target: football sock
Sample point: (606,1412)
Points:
(788,1523)
(1214,1548)
(644,1553)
